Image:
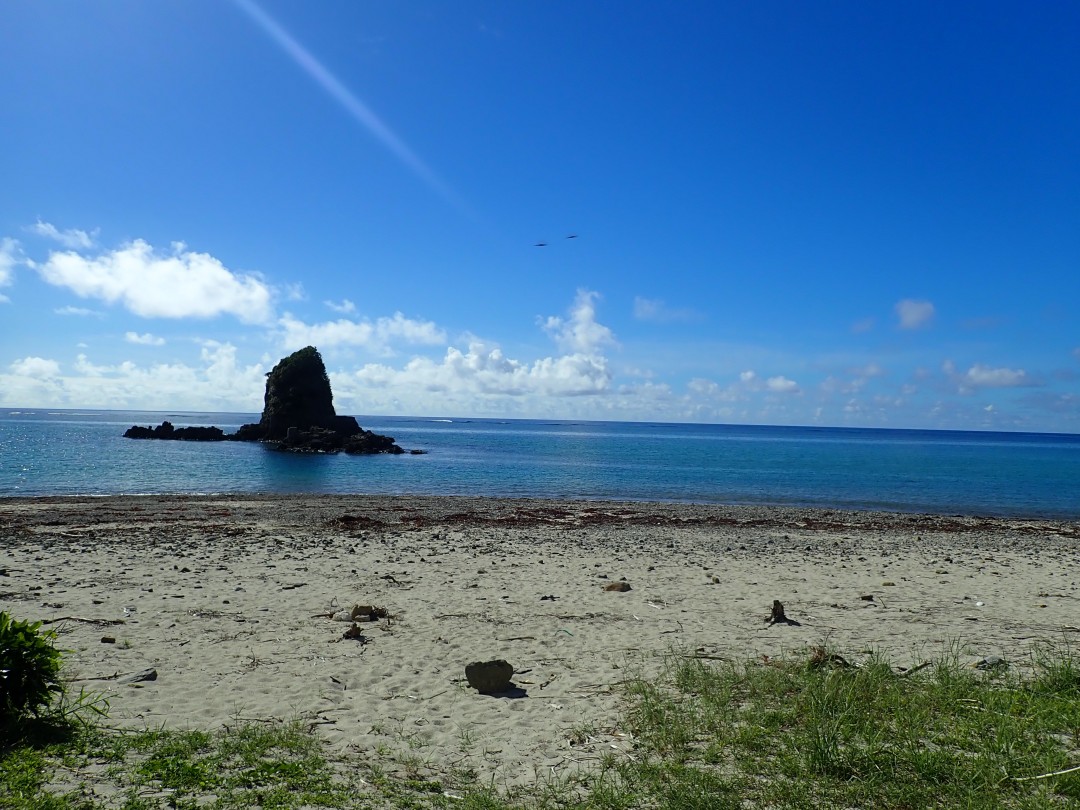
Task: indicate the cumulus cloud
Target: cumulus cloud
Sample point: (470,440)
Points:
(651,309)
(216,382)
(980,376)
(376,336)
(346,307)
(178,284)
(487,371)
(781,385)
(745,399)
(700,388)
(580,333)
(71,238)
(914,314)
(861,326)
(144,340)
(35,367)
(481,377)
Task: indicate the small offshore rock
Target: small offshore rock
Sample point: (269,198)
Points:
(489,677)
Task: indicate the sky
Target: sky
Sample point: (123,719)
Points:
(830,213)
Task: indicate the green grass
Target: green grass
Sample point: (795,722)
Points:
(807,732)
(801,734)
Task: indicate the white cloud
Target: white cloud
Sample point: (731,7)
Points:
(1076,352)
(483,379)
(713,392)
(35,367)
(914,314)
(346,307)
(10,255)
(217,383)
(864,325)
(980,376)
(750,381)
(181,284)
(486,371)
(373,335)
(781,385)
(580,333)
(651,309)
(78,311)
(144,340)
(70,238)
(747,390)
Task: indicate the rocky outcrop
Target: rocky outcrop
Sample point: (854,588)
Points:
(166,431)
(298,416)
(323,440)
(298,395)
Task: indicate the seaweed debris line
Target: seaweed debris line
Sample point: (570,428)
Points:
(298,416)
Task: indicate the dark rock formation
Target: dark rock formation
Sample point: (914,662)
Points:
(166,431)
(298,396)
(298,416)
(490,677)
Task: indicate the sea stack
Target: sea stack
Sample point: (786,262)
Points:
(298,415)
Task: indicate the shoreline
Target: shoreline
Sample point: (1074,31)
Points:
(701,512)
(228,598)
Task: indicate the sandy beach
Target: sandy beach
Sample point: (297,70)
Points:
(230,600)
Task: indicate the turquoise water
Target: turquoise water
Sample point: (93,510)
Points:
(946,472)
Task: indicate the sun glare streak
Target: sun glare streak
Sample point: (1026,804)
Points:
(339,92)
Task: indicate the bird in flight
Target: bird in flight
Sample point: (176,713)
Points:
(572,236)
(540,244)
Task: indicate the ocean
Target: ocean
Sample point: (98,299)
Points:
(68,452)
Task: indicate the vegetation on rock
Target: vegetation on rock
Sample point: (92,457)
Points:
(297,395)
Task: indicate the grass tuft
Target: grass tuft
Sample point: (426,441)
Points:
(817,731)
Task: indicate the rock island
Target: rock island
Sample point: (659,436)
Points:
(298,416)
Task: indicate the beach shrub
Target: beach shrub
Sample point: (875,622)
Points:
(29,669)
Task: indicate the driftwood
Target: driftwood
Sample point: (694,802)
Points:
(916,668)
(134,677)
(779,617)
(820,658)
(1046,775)
(101,622)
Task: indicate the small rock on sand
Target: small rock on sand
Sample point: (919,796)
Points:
(489,677)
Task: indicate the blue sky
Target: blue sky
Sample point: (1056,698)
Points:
(835,213)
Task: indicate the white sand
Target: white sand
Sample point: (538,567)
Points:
(222,596)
